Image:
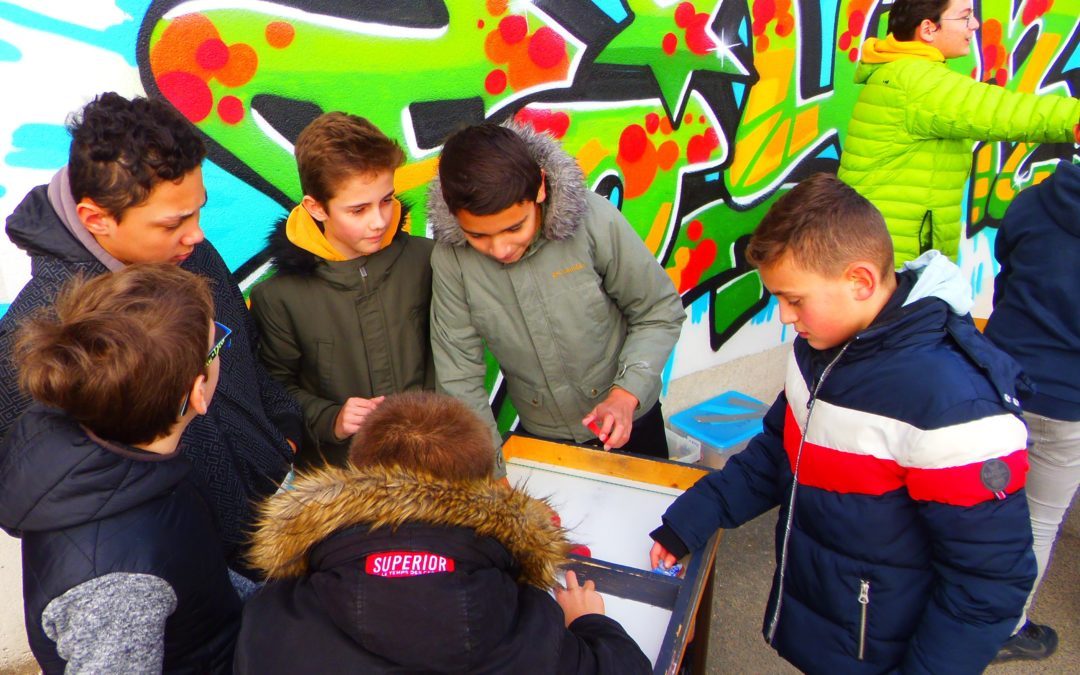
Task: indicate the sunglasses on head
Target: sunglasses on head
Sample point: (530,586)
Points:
(222,333)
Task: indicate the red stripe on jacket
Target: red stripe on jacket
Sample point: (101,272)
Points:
(847,472)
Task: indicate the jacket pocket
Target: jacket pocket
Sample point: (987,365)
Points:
(864,611)
(532,404)
(324,365)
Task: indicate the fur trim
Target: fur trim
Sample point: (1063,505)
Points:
(288,258)
(565,204)
(330,499)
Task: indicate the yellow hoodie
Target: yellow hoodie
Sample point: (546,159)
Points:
(890,49)
(302,230)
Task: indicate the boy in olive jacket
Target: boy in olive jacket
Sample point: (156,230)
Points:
(345,318)
(555,282)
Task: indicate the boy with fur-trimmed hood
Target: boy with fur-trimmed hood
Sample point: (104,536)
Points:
(412,558)
(555,282)
(344,320)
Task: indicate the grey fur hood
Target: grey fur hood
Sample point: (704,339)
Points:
(565,205)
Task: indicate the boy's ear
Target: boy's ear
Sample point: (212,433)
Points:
(314,208)
(926,30)
(199,401)
(541,194)
(863,278)
(95,218)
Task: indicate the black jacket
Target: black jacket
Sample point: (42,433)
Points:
(473,562)
(87,508)
(239,447)
(1035,318)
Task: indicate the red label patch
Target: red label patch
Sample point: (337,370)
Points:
(407,564)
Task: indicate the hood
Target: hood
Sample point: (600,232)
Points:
(53,475)
(297,243)
(35,227)
(877,52)
(331,499)
(1060,195)
(563,209)
(938,277)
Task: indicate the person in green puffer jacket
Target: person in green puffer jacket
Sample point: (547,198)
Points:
(909,142)
(344,320)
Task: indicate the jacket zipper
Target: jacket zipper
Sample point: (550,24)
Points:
(771,633)
(864,600)
(363,276)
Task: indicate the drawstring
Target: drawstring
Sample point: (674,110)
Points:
(926,242)
(791,500)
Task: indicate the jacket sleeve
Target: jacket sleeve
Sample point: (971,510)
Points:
(280,354)
(12,401)
(597,644)
(980,552)
(111,624)
(645,295)
(456,346)
(745,488)
(957,107)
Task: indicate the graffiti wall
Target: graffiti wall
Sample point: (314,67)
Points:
(692,117)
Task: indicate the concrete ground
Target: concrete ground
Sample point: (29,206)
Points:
(745,560)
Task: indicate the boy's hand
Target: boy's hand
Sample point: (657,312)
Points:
(615,416)
(577,601)
(352,415)
(659,554)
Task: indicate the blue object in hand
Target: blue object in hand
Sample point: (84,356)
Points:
(668,571)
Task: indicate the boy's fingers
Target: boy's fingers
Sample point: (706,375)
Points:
(590,586)
(571,580)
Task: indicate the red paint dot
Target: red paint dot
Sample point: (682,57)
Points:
(480,23)
(230,109)
(712,139)
(696,39)
(212,54)
(683,13)
(547,48)
(701,119)
(513,29)
(853,55)
(188,93)
(632,143)
(761,43)
(1001,77)
(764,10)
(652,122)
(698,149)
(855,22)
(495,82)
(845,42)
(670,43)
(694,230)
(687,118)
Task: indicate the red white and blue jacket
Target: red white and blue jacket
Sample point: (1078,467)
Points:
(898,462)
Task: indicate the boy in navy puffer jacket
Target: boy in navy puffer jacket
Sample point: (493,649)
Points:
(895,452)
(1035,320)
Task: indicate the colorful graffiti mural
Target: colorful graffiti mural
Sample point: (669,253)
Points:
(692,117)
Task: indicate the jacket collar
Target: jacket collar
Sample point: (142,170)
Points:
(331,499)
(565,204)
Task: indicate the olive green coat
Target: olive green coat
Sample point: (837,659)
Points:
(334,330)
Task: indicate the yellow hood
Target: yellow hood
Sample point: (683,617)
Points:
(302,230)
(890,49)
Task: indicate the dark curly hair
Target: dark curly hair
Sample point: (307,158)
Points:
(906,15)
(121,149)
(487,168)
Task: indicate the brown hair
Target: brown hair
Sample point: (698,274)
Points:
(118,353)
(121,150)
(428,432)
(905,16)
(337,146)
(487,168)
(825,225)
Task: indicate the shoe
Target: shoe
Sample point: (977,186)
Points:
(1032,643)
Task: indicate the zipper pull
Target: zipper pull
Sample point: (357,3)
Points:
(363,271)
(864,592)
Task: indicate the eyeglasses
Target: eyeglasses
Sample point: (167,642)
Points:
(222,333)
(969,20)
